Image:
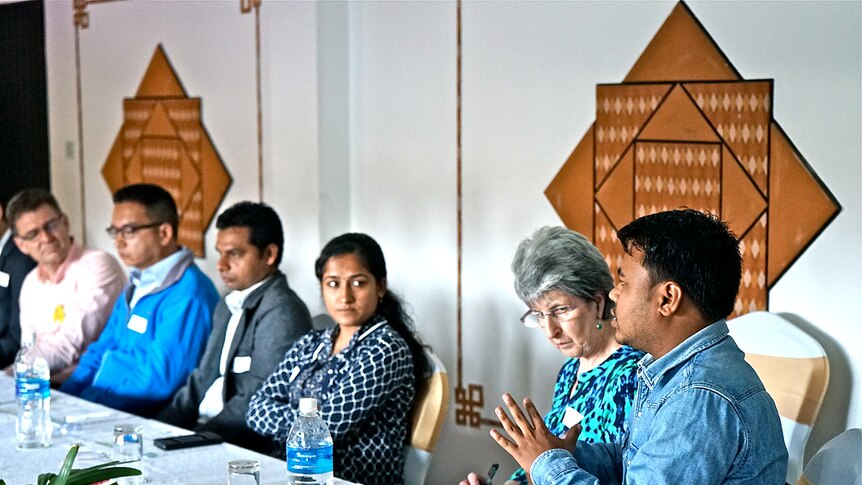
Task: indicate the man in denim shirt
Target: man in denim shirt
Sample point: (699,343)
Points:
(701,414)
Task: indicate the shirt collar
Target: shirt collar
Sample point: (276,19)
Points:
(652,369)
(235,299)
(156,273)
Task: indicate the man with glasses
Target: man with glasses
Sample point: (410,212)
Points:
(66,301)
(159,327)
(14,266)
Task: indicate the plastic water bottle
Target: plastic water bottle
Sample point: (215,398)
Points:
(33,390)
(309,447)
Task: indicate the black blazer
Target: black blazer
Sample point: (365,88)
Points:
(14,265)
(273,318)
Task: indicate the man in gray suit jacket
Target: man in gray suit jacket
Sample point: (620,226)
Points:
(253,326)
(14,266)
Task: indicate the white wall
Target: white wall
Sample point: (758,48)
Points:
(359,128)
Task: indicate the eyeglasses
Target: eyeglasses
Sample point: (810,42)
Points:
(50,227)
(129,230)
(535,319)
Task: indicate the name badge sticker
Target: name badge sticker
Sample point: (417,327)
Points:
(241,363)
(137,324)
(293,374)
(571,417)
(4,279)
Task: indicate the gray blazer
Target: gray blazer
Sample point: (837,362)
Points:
(273,318)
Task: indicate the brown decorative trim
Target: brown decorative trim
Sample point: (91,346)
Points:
(246,6)
(470,400)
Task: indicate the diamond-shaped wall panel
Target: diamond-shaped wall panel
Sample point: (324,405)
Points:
(163,141)
(684,129)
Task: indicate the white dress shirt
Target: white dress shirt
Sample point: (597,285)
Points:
(213,401)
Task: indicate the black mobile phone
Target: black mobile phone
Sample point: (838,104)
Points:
(203,438)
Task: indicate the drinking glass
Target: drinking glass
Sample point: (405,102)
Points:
(243,472)
(129,446)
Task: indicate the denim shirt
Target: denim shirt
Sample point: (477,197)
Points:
(701,416)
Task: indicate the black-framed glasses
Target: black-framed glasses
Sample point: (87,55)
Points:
(50,226)
(534,319)
(129,230)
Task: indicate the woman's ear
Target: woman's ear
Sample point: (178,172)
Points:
(381,288)
(600,306)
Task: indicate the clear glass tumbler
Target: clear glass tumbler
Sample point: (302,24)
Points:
(243,472)
(129,447)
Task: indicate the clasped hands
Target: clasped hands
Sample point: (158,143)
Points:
(528,437)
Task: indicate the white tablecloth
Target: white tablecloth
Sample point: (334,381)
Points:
(206,465)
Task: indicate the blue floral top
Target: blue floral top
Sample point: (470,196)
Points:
(603,395)
(364,394)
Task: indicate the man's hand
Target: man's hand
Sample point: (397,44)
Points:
(528,435)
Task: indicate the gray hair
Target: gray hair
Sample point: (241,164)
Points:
(559,259)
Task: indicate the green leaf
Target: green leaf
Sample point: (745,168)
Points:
(44,478)
(87,477)
(63,476)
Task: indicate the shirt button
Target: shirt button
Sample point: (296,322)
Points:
(639,414)
(329,371)
(629,462)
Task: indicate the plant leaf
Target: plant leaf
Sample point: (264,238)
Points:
(86,477)
(63,476)
(44,478)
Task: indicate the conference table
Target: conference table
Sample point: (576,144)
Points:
(91,425)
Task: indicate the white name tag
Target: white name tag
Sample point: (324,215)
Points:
(4,279)
(293,374)
(241,364)
(137,324)
(571,417)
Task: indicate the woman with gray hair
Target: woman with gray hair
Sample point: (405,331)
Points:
(564,281)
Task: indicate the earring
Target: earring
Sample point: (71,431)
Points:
(599,325)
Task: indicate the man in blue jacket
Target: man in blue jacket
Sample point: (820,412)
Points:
(160,324)
(701,414)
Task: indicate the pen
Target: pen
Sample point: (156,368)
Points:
(492,471)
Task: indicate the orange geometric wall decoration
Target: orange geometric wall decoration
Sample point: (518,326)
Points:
(685,129)
(163,141)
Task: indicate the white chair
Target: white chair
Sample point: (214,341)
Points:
(429,410)
(839,461)
(795,371)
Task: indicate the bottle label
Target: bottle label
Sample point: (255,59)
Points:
(32,388)
(309,461)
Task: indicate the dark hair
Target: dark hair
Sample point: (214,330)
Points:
(29,200)
(158,202)
(263,224)
(390,307)
(696,250)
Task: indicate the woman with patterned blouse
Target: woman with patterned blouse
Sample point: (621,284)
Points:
(564,281)
(364,372)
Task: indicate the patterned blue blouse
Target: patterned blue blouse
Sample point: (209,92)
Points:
(364,394)
(603,395)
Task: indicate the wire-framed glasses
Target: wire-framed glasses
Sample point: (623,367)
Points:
(562,313)
(49,227)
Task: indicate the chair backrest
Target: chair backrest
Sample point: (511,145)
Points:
(429,410)
(795,371)
(838,461)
